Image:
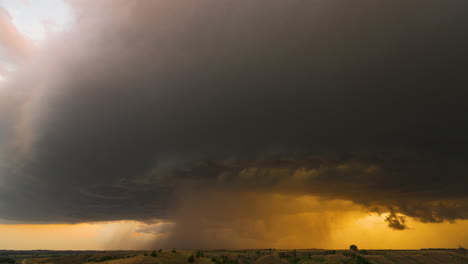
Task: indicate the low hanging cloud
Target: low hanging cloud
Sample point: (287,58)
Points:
(396,222)
(136,112)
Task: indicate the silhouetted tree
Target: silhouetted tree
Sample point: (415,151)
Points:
(6,260)
(154,254)
(199,254)
(191,259)
(362,260)
(216,260)
(353,248)
(294,259)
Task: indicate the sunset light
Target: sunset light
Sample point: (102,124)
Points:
(37,18)
(233,132)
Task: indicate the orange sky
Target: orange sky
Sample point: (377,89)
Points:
(366,230)
(211,217)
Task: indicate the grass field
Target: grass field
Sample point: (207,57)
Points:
(242,257)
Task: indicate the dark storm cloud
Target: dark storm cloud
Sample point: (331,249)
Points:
(396,222)
(143,104)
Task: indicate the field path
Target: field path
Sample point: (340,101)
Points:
(23,262)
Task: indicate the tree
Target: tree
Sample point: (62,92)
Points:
(7,260)
(191,259)
(200,254)
(362,260)
(174,251)
(216,260)
(295,258)
(154,254)
(353,248)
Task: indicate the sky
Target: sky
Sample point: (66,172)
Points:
(233,124)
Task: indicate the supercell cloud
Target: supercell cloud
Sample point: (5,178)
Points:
(145,110)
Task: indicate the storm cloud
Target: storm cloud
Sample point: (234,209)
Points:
(144,105)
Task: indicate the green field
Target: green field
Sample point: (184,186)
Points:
(268,256)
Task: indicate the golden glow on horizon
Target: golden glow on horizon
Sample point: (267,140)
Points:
(367,231)
(85,236)
(372,232)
